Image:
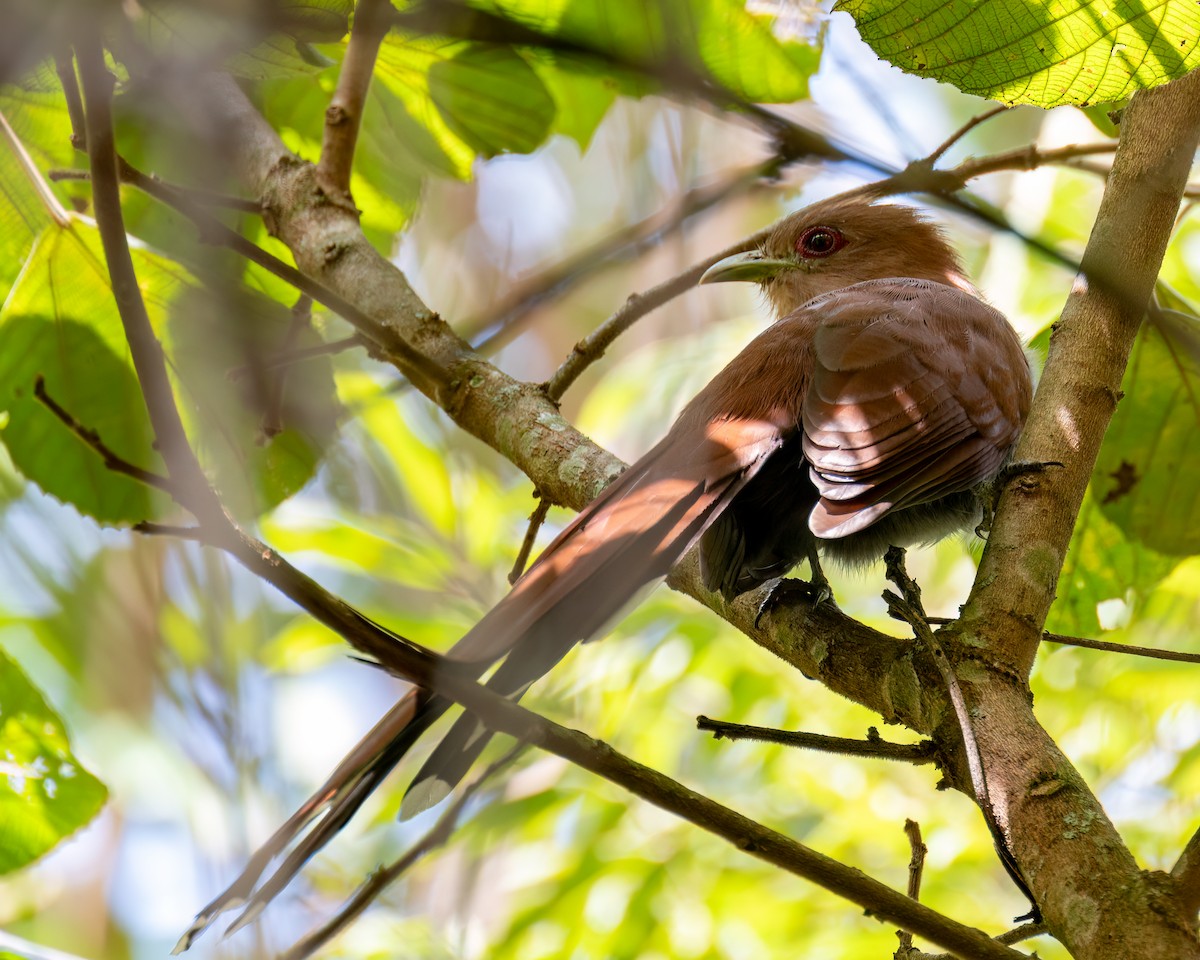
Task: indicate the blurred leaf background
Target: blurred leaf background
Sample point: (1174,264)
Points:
(210,708)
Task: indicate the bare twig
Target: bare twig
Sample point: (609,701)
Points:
(1153,653)
(344,113)
(195,534)
(287,357)
(591,348)
(625,242)
(271,424)
(907,607)
(111,460)
(208,198)
(916,867)
(212,230)
(535,522)
(64,66)
(438,835)
(916,863)
(963,131)
(873,746)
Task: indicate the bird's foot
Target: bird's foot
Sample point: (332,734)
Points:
(784,590)
(989,496)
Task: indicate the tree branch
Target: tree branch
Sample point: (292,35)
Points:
(1036,788)
(190,486)
(344,113)
(874,747)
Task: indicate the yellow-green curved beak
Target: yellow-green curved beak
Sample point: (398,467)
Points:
(751,265)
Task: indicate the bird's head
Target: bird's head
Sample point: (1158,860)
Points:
(835,243)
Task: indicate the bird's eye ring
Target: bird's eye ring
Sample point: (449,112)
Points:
(817,242)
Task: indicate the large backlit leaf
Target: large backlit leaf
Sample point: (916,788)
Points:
(253,43)
(717,39)
(60,322)
(1049,53)
(1147,477)
(45,793)
(491,98)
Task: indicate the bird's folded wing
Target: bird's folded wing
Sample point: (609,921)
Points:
(907,403)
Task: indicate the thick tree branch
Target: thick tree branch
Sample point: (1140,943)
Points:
(1094,897)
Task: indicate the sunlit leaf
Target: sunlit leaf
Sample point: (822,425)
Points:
(1147,477)
(45,794)
(720,39)
(1066,51)
(491,98)
(261,438)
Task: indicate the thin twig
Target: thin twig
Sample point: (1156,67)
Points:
(271,424)
(196,534)
(873,746)
(90,437)
(906,606)
(212,230)
(963,131)
(1152,652)
(208,198)
(535,522)
(916,868)
(344,113)
(626,242)
(438,835)
(64,66)
(591,348)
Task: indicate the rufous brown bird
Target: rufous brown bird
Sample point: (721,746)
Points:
(876,411)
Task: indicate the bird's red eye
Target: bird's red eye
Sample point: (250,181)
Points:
(817,242)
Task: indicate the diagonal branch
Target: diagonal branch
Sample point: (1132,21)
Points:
(191,487)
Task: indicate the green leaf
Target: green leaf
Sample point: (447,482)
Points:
(491,98)
(61,322)
(1064,51)
(1147,477)
(720,39)
(1106,578)
(178,29)
(223,340)
(82,373)
(46,794)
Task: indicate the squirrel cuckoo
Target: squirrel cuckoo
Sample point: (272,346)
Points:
(876,411)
